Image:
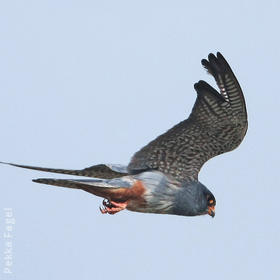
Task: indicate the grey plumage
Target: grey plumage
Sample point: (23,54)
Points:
(163,176)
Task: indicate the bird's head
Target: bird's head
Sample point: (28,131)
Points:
(211,203)
(194,199)
(206,200)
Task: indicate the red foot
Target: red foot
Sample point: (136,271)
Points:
(112,207)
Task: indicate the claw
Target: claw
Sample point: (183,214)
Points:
(107,203)
(103,210)
(111,207)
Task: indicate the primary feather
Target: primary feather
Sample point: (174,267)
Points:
(217,124)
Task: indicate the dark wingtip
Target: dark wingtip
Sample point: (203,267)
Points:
(213,60)
(204,62)
(11,164)
(200,85)
(222,60)
(220,56)
(211,56)
(196,86)
(7,163)
(37,180)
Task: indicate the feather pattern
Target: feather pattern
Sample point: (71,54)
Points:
(217,124)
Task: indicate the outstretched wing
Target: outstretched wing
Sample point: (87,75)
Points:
(105,171)
(217,124)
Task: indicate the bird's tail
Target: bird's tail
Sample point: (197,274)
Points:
(114,185)
(118,189)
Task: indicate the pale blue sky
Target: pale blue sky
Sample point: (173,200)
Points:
(88,82)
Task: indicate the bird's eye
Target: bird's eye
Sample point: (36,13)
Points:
(211,201)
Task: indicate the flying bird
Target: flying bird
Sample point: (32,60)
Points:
(163,176)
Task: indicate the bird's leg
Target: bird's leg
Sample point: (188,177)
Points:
(112,207)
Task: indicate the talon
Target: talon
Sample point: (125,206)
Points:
(107,203)
(111,207)
(103,210)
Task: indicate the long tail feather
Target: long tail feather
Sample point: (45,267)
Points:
(119,189)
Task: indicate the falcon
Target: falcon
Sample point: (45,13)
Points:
(163,176)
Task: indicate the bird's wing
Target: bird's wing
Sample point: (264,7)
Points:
(217,124)
(105,171)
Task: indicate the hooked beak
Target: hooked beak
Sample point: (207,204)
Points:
(211,211)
